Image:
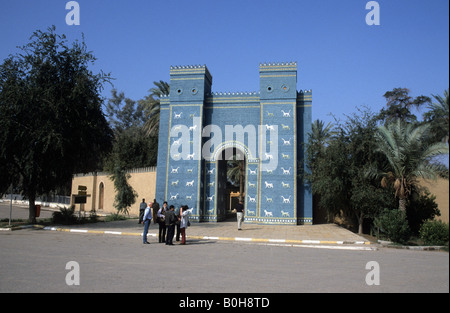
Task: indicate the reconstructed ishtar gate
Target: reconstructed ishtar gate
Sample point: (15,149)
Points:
(200,130)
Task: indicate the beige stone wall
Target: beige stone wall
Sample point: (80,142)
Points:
(142,180)
(439,188)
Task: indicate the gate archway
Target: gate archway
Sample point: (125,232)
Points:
(218,184)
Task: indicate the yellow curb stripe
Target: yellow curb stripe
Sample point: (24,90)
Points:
(131,234)
(238,239)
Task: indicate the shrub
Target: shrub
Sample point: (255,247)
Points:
(65,216)
(435,233)
(394,224)
(115,217)
(422,207)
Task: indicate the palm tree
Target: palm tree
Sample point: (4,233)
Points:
(236,174)
(438,116)
(319,139)
(409,157)
(320,134)
(152,107)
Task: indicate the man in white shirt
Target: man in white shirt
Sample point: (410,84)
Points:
(147,219)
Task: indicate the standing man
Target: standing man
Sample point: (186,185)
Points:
(240,213)
(162,222)
(147,219)
(155,208)
(177,225)
(142,207)
(171,220)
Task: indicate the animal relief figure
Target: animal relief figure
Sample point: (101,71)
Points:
(176,156)
(286,114)
(268,213)
(251,212)
(268,156)
(286,200)
(268,185)
(190,156)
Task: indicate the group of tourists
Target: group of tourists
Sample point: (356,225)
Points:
(168,219)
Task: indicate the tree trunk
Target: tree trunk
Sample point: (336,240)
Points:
(360,223)
(402,204)
(32,208)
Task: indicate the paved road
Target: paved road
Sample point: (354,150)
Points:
(35,260)
(19,211)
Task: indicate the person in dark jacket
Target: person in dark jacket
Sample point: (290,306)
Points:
(155,209)
(162,223)
(170,219)
(142,208)
(240,213)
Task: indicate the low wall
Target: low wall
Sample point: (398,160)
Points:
(439,188)
(101,191)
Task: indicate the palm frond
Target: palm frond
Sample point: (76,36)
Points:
(409,155)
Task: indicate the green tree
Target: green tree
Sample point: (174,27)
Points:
(338,169)
(320,137)
(152,105)
(132,148)
(318,140)
(399,104)
(421,207)
(125,194)
(124,113)
(438,116)
(51,122)
(410,156)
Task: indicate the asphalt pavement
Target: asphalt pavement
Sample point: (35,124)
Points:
(35,260)
(322,234)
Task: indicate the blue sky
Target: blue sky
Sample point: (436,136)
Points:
(343,60)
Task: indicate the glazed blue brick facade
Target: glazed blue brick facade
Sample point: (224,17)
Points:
(269,128)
